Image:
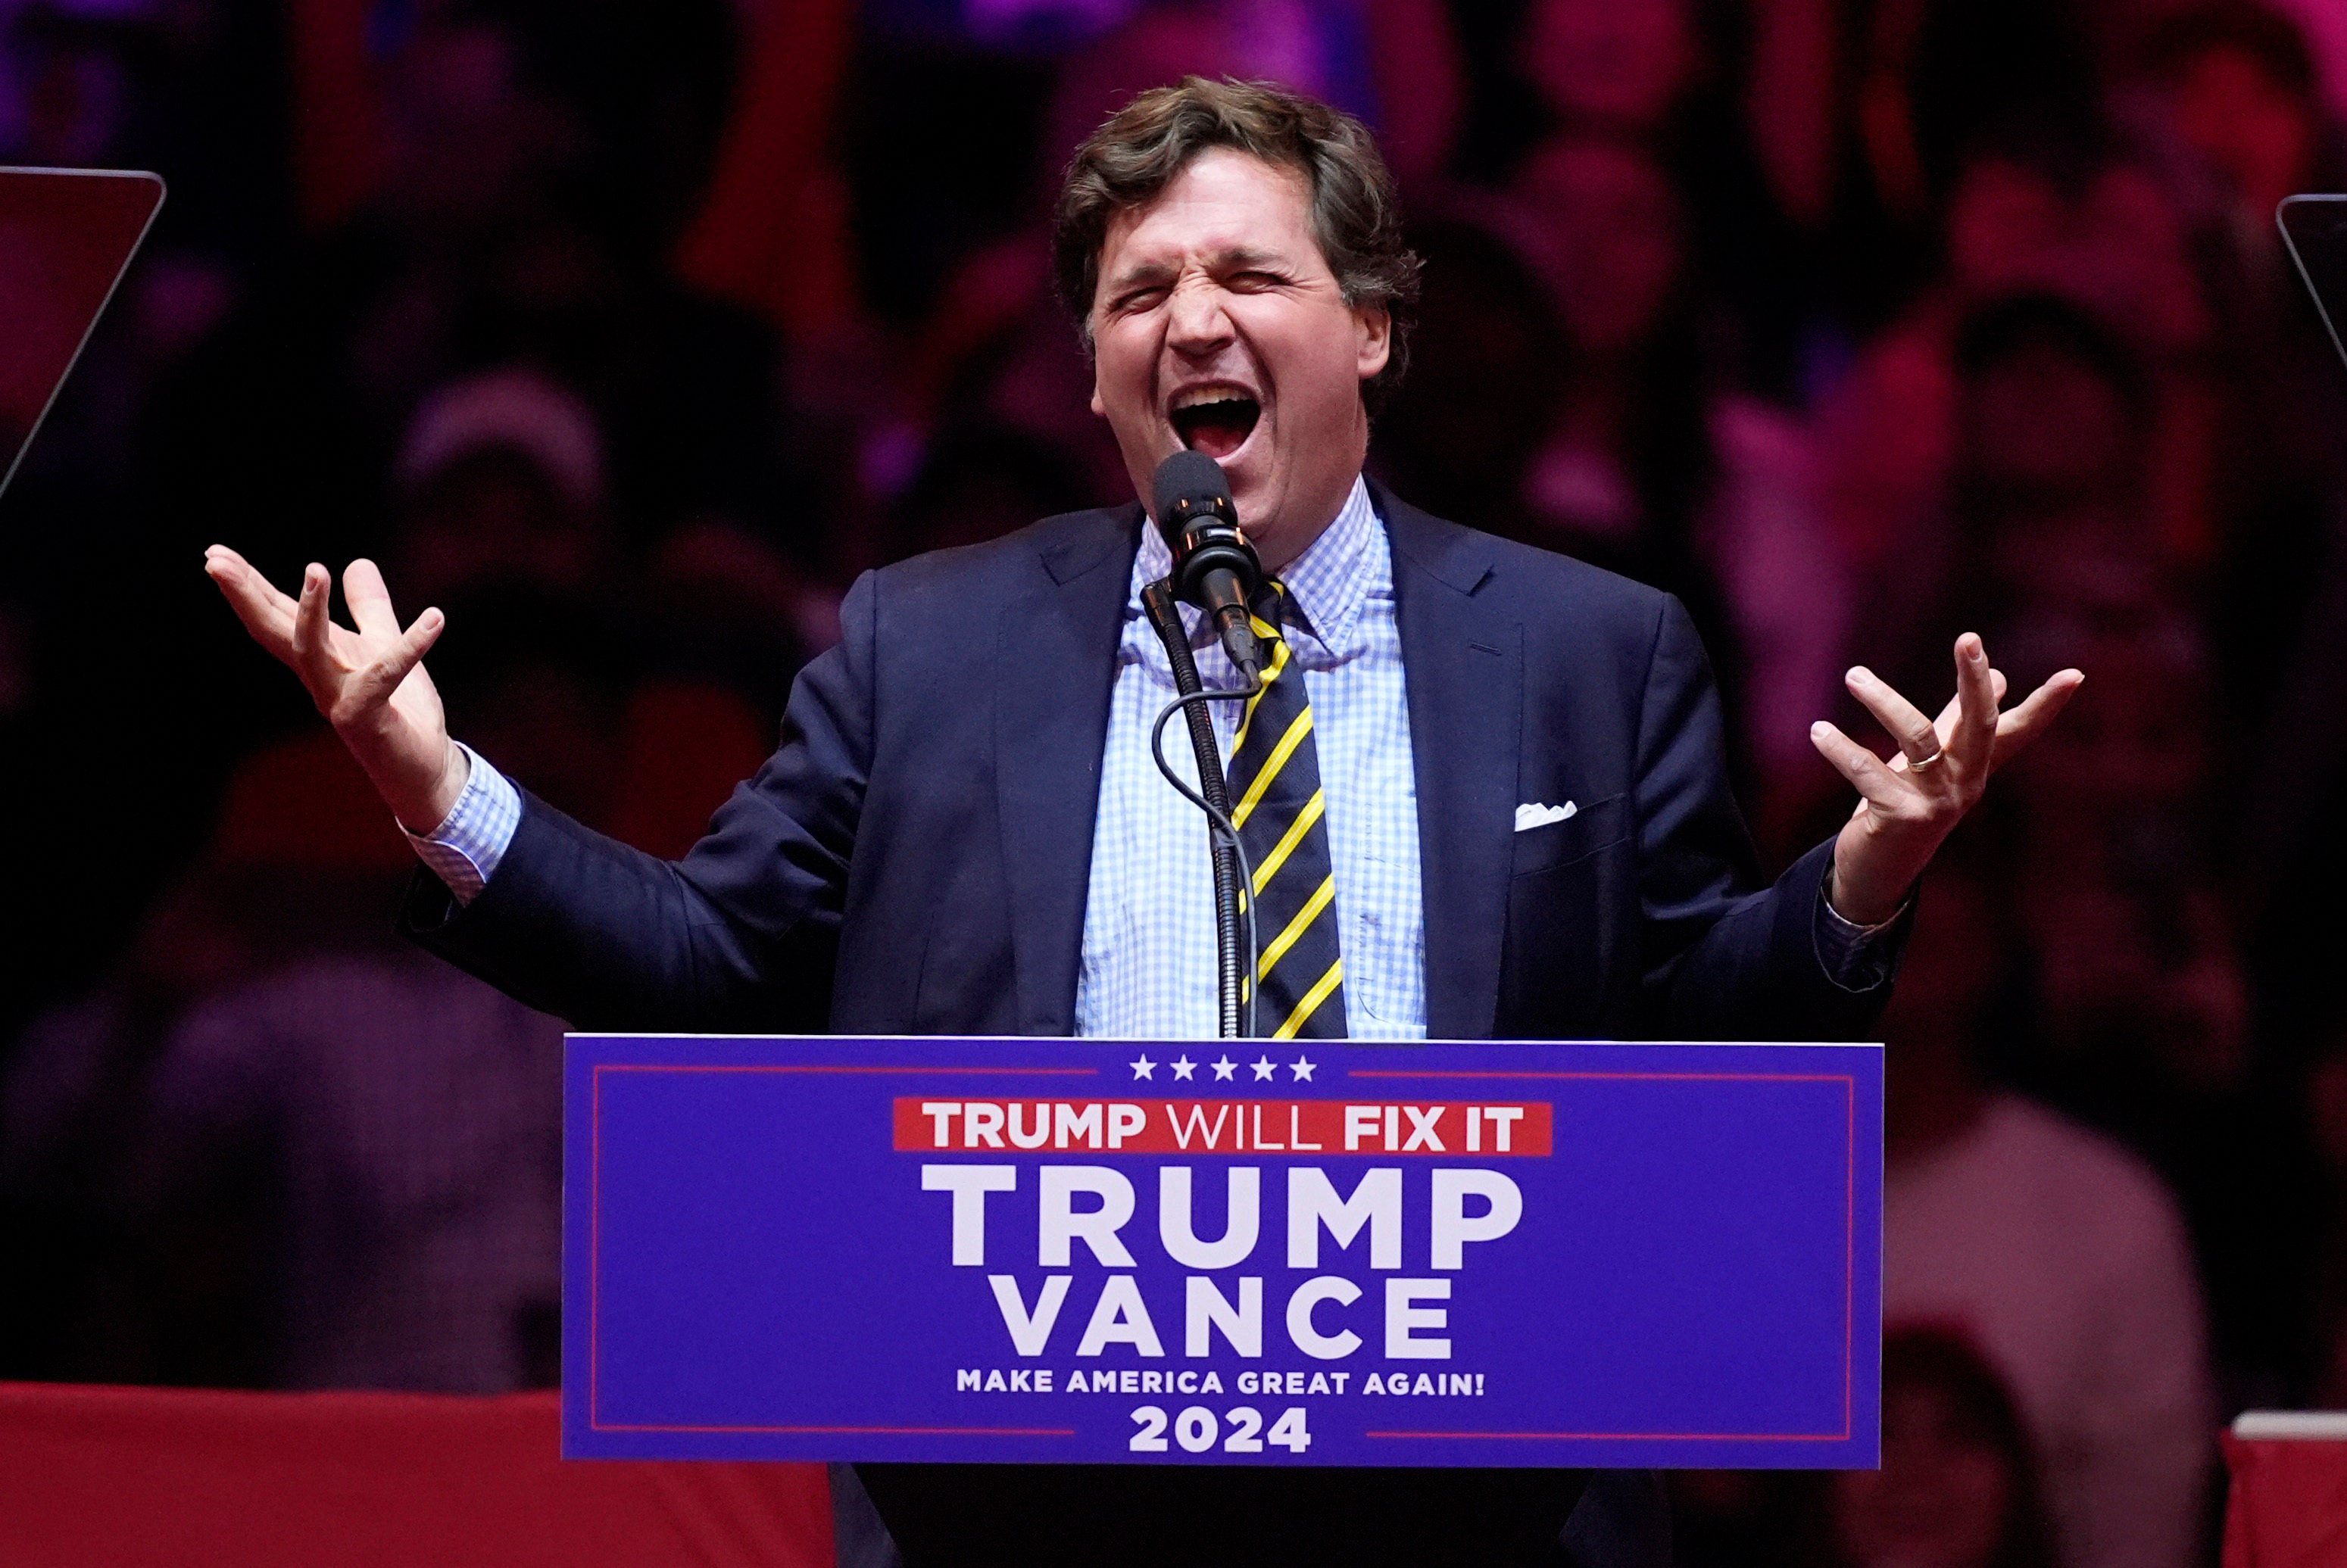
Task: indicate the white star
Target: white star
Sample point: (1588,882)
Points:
(1224,1068)
(1144,1066)
(1183,1067)
(1302,1069)
(1265,1068)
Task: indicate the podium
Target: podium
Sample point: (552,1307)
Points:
(1226,1254)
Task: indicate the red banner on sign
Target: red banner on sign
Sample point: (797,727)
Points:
(1381,1127)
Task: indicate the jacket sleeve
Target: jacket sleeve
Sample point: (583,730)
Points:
(741,935)
(1726,957)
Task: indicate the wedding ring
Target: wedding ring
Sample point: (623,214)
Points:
(1937,756)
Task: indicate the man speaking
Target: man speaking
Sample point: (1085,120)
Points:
(1484,791)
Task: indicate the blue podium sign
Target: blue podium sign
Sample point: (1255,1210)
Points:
(1078,1252)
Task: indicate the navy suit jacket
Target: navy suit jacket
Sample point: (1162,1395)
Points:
(914,859)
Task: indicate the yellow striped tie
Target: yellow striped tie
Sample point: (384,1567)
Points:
(1282,817)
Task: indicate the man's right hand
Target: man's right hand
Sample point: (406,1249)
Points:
(369,684)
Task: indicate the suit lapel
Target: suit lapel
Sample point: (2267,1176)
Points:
(1463,667)
(1055,663)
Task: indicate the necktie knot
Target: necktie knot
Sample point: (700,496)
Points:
(1270,611)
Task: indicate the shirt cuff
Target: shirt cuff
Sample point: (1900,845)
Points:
(464,849)
(1857,958)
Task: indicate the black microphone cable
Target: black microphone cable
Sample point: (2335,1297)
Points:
(1219,821)
(1234,932)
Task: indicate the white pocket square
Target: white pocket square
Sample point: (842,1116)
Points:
(1531,813)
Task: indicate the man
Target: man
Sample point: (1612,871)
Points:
(1496,796)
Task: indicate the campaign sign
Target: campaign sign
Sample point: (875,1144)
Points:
(1078,1252)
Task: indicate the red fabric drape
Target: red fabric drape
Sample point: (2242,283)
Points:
(97,1477)
(2288,1506)
(772,234)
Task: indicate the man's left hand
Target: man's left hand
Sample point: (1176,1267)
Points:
(1908,805)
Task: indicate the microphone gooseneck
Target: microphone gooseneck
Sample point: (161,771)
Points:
(1214,567)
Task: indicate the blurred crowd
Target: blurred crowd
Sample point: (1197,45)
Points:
(629,334)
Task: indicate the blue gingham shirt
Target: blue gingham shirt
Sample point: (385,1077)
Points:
(1147,967)
(464,849)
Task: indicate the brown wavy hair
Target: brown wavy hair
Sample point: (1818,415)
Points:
(1140,149)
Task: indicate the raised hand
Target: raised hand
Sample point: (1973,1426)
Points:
(1910,804)
(369,682)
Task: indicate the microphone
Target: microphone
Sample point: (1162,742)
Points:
(1214,567)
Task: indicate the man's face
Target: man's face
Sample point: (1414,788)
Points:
(1217,326)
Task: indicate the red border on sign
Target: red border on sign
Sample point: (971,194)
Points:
(1849,1252)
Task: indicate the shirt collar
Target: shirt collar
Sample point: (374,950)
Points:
(1327,585)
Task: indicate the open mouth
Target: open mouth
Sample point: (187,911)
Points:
(1218,426)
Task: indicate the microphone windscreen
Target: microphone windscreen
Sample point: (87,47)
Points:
(1190,477)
